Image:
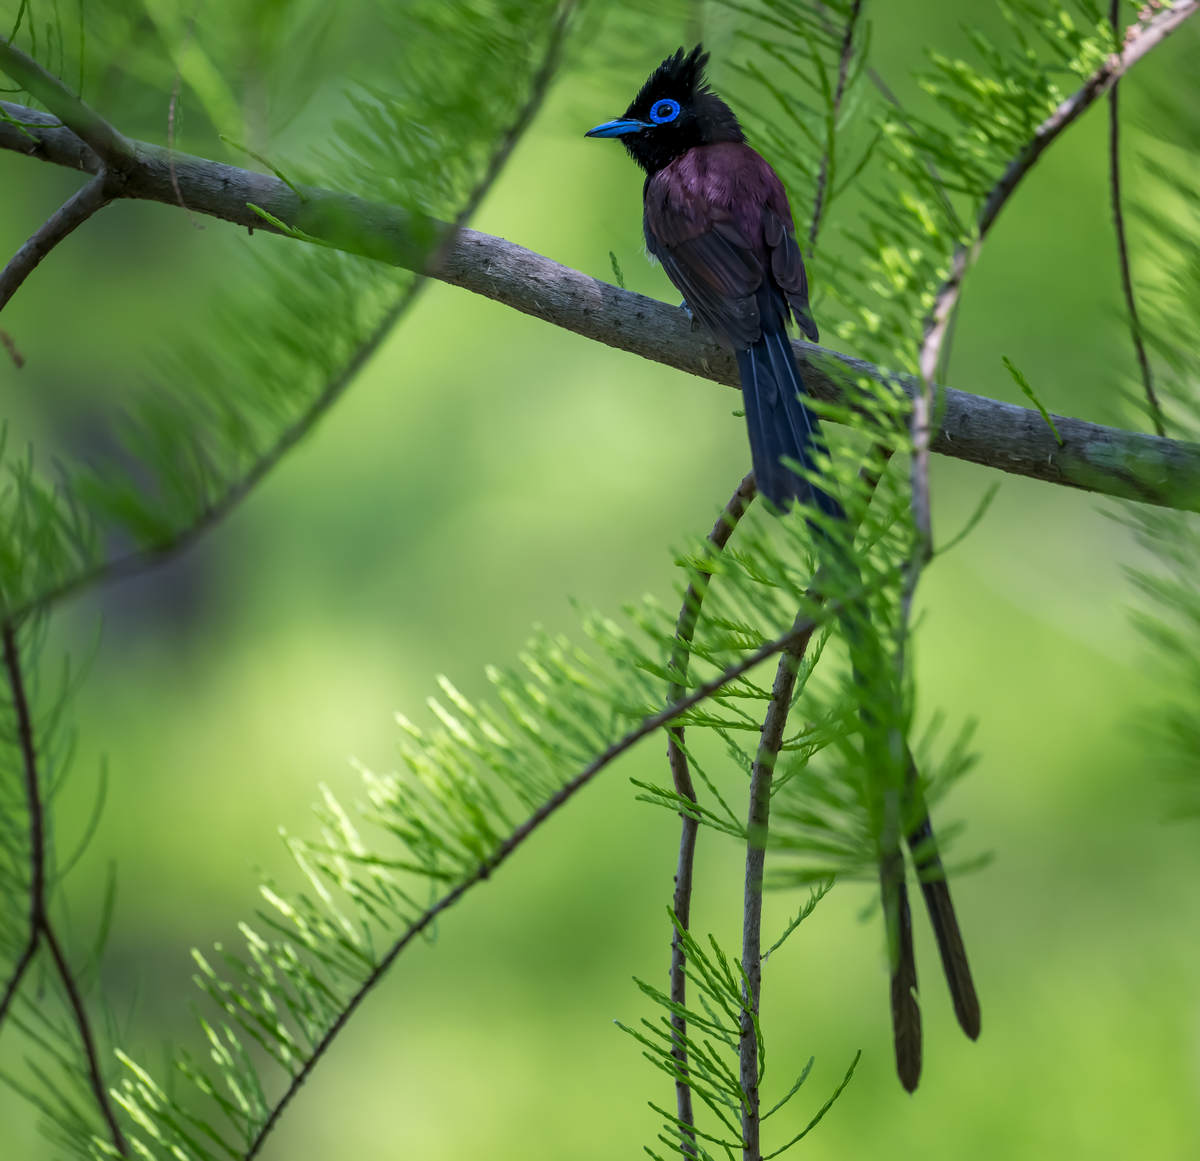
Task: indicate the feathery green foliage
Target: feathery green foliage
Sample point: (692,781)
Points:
(297,323)
(713,1031)
(1168,615)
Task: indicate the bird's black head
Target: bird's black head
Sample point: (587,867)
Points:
(674,111)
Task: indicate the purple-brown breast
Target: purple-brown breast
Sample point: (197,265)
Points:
(718,219)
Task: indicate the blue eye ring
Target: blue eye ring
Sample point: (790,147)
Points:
(664,110)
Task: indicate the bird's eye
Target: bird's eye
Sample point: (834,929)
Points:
(664,111)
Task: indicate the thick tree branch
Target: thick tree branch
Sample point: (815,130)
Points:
(238,489)
(109,145)
(71,214)
(974,428)
(984,431)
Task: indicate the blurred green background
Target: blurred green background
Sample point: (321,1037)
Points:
(483,469)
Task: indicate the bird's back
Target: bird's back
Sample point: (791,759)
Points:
(718,219)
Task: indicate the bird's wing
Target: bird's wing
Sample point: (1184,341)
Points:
(787,267)
(715,269)
(735,259)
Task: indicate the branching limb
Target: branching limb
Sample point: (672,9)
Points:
(681,775)
(825,171)
(796,638)
(973,428)
(33,801)
(18,973)
(6,341)
(71,214)
(770,743)
(111,147)
(41,930)
(1141,39)
(761,774)
(238,489)
(1114,185)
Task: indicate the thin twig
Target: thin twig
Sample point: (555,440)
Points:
(41,929)
(1114,182)
(1130,465)
(935,176)
(681,775)
(76,210)
(29,766)
(22,965)
(1140,41)
(773,728)
(137,561)
(6,341)
(33,803)
(214,513)
(758,822)
(110,146)
(172,130)
(539,87)
(844,58)
(796,637)
(761,774)
(95,1076)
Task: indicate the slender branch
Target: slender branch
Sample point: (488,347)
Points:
(1114,183)
(761,774)
(41,929)
(1140,41)
(773,727)
(539,87)
(985,431)
(22,965)
(935,176)
(84,121)
(237,491)
(795,638)
(76,210)
(33,803)
(681,775)
(134,562)
(95,1076)
(29,765)
(6,341)
(823,174)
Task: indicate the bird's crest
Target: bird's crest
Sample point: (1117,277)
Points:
(680,73)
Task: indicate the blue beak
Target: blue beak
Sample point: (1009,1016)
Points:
(617,129)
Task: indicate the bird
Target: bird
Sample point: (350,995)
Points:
(717,218)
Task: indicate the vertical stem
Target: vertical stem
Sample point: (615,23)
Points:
(1114,185)
(825,173)
(758,825)
(41,929)
(685,629)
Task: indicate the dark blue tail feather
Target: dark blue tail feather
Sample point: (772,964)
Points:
(781,425)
